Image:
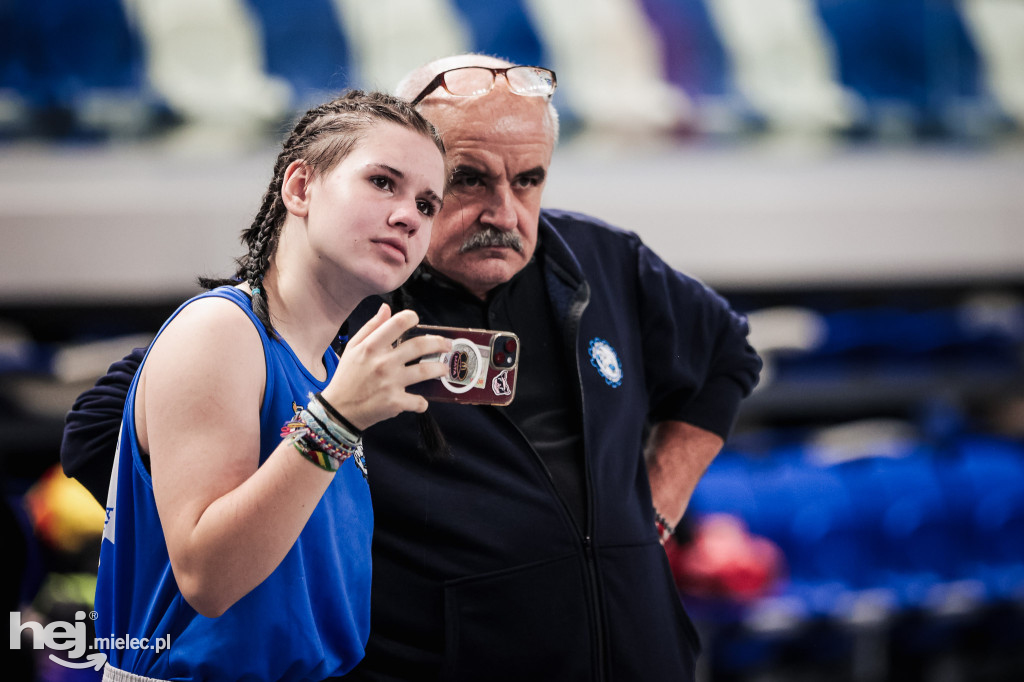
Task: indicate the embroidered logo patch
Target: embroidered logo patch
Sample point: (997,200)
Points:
(603,357)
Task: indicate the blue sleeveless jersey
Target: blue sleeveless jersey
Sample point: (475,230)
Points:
(308,620)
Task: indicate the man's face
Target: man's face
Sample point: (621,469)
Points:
(499,146)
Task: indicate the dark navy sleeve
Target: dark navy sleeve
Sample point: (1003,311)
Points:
(697,362)
(93,424)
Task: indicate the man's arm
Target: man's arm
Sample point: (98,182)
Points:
(677,456)
(699,367)
(92,426)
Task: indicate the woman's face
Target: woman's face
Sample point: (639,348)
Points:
(371,215)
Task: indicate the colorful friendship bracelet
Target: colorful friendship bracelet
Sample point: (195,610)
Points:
(321,452)
(324,434)
(320,457)
(320,439)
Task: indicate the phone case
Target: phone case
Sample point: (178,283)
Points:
(482,366)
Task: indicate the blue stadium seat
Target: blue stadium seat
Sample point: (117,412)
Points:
(86,46)
(73,62)
(908,59)
(503,29)
(307,48)
(725,488)
(993,471)
(924,546)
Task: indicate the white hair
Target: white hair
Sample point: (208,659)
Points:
(417,79)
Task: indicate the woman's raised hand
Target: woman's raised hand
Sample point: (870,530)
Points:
(369,385)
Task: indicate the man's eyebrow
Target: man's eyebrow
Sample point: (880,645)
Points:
(537,173)
(470,168)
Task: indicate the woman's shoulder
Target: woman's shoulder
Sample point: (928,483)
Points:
(211,325)
(224,309)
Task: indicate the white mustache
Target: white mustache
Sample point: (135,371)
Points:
(488,237)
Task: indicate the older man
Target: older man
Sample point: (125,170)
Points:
(533,553)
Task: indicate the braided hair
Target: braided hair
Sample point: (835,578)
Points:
(322,138)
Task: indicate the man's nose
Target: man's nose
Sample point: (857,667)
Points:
(500,211)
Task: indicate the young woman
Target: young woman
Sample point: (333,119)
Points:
(237,542)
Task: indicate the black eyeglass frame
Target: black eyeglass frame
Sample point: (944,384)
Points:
(438,81)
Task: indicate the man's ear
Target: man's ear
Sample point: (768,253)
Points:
(295,188)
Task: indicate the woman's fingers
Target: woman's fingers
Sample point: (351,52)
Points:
(414,403)
(375,370)
(382,315)
(419,346)
(422,371)
(384,335)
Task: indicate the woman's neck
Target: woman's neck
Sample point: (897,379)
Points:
(305,312)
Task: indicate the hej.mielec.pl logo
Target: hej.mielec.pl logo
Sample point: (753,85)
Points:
(72,638)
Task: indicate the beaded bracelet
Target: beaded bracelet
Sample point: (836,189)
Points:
(339,427)
(321,440)
(665,529)
(299,435)
(316,454)
(314,443)
(323,433)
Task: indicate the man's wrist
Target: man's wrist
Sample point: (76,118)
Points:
(665,529)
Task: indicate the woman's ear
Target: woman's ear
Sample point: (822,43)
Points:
(295,188)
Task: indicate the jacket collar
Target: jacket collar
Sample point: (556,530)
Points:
(558,254)
(567,287)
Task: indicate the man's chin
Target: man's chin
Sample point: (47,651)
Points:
(480,269)
(495,273)
(484,275)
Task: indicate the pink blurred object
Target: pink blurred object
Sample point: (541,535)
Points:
(725,561)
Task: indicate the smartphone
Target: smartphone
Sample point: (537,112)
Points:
(482,366)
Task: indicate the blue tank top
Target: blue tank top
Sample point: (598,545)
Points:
(308,620)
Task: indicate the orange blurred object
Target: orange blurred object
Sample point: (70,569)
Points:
(63,513)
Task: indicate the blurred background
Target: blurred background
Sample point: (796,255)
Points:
(850,173)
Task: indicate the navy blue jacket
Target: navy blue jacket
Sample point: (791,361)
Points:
(480,571)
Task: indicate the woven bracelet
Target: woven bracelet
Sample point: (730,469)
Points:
(326,421)
(325,434)
(334,414)
(323,452)
(312,451)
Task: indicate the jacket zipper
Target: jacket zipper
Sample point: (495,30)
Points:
(590,560)
(584,537)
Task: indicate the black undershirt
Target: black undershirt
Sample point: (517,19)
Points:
(546,407)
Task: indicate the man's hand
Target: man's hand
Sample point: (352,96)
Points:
(677,456)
